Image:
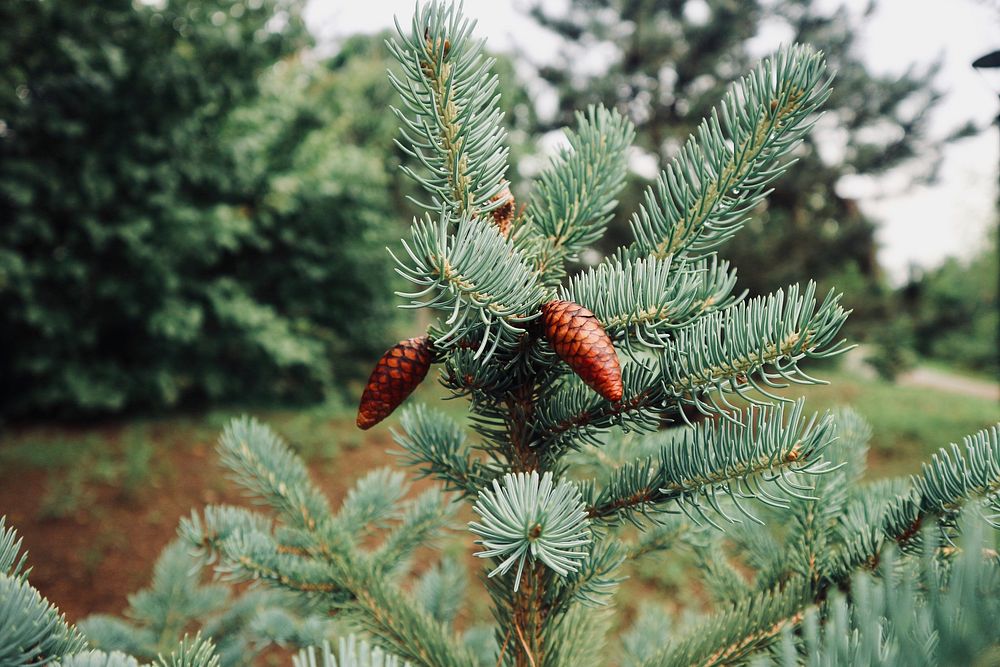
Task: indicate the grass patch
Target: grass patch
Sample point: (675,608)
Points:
(908,423)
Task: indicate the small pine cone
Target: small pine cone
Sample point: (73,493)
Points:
(503,215)
(396,375)
(579,339)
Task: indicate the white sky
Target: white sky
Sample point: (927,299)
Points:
(917,225)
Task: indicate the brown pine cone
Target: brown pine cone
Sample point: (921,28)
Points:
(579,339)
(396,375)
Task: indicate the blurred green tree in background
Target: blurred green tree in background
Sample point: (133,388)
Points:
(956,312)
(176,227)
(670,60)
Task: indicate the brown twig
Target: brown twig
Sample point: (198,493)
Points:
(503,649)
(527,649)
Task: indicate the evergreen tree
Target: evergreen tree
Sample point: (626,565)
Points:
(568,382)
(667,63)
(955,310)
(178,205)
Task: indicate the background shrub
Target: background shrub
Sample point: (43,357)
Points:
(174,223)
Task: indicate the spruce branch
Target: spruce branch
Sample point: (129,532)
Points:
(334,576)
(474,276)
(749,456)
(955,478)
(928,616)
(724,584)
(530,517)
(263,464)
(436,444)
(813,522)
(959,473)
(450,120)
(317,559)
(595,582)
(251,556)
(12,559)
(372,501)
(578,638)
(33,631)
(664,533)
(731,637)
(192,652)
(756,344)
(98,659)
(422,520)
(647,298)
(351,652)
(441,589)
(704,195)
(570,413)
(574,199)
(643,640)
(396,622)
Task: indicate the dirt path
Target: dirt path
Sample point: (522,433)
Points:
(923,376)
(956,384)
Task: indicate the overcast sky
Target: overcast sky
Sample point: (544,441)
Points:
(917,226)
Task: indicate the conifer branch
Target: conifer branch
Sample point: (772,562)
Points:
(451,123)
(574,198)
(421,522)
(529,517)
(647,298)
(738,458)
(595,582)
(262,463)
(703,196)
(34,632)
(12,559)
(102,659)
(730,637)
(475,276)
(351,652)
(436,444)
(955,477)
(441,589)
(371,501)
(928,616)
(664,533)
(333,576)
(755,344)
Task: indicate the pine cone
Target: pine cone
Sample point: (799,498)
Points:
(396,375)
(579,339)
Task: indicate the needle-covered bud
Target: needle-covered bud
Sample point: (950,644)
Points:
(578,338)
(503,215)
(396,375)
(527,516)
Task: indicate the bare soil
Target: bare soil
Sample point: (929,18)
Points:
(90,560)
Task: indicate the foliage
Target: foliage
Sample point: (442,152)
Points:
(955,311)
(240,624)
(176,203)
(893,349)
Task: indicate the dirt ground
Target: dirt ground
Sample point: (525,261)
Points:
(91,559)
